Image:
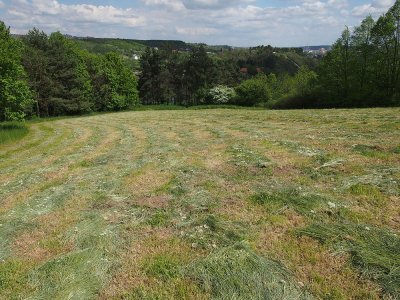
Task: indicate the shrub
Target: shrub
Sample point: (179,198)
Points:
(220,94)
(253,91)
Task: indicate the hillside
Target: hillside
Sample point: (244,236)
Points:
(126,47)
(208,204)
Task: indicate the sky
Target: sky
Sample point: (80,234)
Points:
(278,23)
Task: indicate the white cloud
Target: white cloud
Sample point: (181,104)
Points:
(376,8)
(53,14)
(239,23)
(213,4)
(385,4)
(2,4)
(171,4)
(340,4)
(195,31)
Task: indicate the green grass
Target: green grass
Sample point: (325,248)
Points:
(304,203)
(374,251)
(176,203)
(162,266)
(237,272)
(12,131)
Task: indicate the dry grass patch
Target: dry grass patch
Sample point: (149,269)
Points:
(146,181)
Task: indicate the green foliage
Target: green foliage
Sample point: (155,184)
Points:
(253,91)
(293,91)
(236,272)
(15,96)
(67,80)
(374,251)
(115,86)
(71,90)
(170,77)
(363,67)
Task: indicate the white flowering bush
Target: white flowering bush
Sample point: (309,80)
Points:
(221,94)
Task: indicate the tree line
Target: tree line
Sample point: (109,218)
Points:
(361,70)
(183,78)
(196,78)
(50,75)
(44,76)
(363,67)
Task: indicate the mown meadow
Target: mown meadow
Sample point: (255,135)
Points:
(203,204)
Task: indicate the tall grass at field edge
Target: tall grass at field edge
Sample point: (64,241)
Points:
(11,131)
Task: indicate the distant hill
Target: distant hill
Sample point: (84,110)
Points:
(315,48)
(126,47)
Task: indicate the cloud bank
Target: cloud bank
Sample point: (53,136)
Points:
(234,22)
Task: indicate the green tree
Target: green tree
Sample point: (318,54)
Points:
(149,84)
(334,71)
(71,89)
(304,82)
(120,86)
(362,57)
(253,91)
(36,65)
(15,96)
(200,74)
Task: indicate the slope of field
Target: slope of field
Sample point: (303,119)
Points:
(208,204)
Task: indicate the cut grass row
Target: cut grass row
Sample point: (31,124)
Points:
(201,205)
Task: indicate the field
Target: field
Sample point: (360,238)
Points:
(10,131)
(203,204)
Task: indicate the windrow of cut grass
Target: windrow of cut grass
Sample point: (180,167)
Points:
(203,204)
(374,251)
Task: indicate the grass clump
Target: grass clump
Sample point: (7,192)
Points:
(210,232)
(176,288)
(303,203)
(77,275)
(13,278)
(237,272)
(373,194)
(158,219)
(11,131)
(368,150)
(244,157)
(374,251)
(163,266)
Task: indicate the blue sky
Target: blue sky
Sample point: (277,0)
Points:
(233,22)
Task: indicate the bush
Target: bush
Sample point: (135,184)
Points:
(253,91)
(296,102)
(220,94)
